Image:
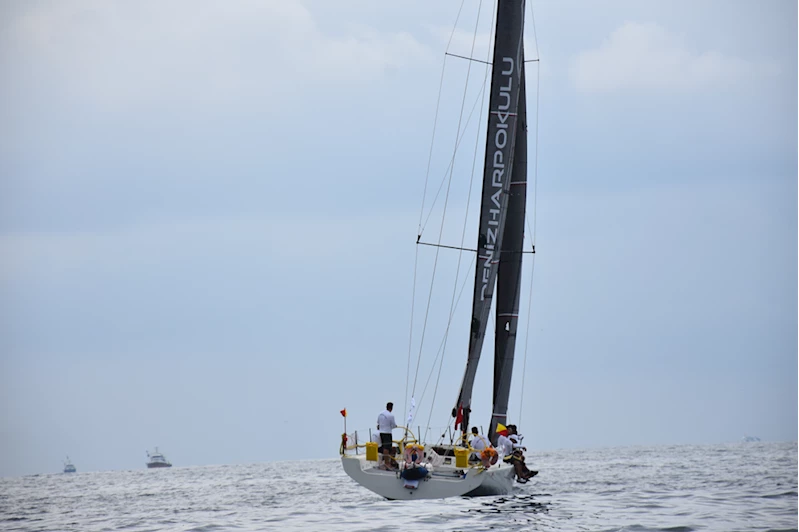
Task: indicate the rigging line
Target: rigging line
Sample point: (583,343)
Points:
(537,112)
(442,345)
(410,334)
(424,195)
(471,180)
(432,282)
(535,214)
(505,251)
(481,97)
(468,202)
(466,216)
(452,161)
(424,323)
(446,196)
(527,336)
(435,118)
(468,58)
(455,26)
(493,325)
(474,157)
(535,33)
(447,425)
(446,247)
(432,143)
(477,137)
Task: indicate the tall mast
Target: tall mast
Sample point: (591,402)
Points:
(506,85)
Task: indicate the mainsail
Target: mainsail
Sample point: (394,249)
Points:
(503,123)
(509,275)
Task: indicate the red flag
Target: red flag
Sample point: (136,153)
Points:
(459,417)
(344,412)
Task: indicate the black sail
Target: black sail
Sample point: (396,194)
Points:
(509,275)
(503,105)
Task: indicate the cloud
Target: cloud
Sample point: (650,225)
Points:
(647,56)
(121,54)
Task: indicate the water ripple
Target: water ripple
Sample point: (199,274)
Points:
(723,488)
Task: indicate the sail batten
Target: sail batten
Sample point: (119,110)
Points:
(501,139)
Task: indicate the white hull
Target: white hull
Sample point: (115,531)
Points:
(444,481)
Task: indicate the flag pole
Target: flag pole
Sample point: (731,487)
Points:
(344,436)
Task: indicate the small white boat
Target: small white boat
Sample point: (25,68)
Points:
(69,467)
(156,460)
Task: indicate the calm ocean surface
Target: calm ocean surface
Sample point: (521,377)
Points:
(732,487)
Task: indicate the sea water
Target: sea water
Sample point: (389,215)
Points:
(732,487)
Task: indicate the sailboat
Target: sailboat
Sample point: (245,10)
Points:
(69,467)
(450,472)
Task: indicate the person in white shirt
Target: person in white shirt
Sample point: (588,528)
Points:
(515,437)
(485,452)
(504,444)
(516,456)
(385,424)
(478,442)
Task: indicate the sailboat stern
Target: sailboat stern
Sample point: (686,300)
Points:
(439,484)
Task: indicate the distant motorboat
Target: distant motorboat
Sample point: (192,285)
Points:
(750,439)
(157,459)
(69,466)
